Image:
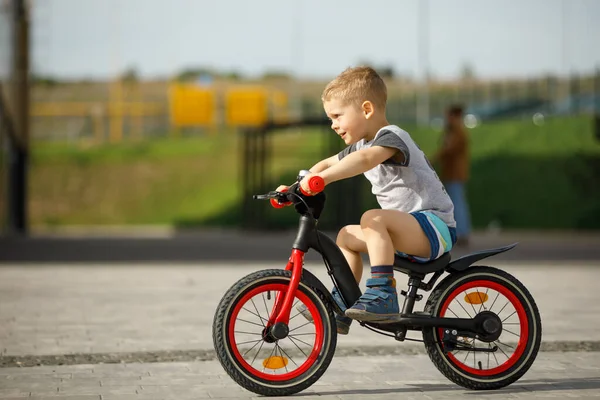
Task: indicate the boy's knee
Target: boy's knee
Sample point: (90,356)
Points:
(342,236)
(370,218)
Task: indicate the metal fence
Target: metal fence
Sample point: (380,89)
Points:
(5,62)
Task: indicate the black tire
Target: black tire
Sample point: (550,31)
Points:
(226,353)
(525,352)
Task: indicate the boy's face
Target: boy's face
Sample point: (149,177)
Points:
(347,120)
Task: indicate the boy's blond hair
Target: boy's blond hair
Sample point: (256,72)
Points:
(356,85)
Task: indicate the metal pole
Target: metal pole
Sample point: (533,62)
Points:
(18,143)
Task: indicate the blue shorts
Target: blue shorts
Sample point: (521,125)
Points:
(441,237)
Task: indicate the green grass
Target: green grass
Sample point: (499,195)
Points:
(523,176)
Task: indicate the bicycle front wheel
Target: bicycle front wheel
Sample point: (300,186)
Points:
(263,365)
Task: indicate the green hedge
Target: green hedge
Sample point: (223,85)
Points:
(522,176)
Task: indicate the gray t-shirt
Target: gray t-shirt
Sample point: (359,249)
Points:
(409,185)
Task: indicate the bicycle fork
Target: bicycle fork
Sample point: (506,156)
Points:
(280,314)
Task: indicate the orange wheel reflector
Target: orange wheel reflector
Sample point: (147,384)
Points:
(275,362)
(476,298)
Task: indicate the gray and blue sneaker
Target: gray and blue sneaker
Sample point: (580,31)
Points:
(343,322)
(379,303)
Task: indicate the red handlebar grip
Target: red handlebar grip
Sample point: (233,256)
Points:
(277,204)
(316,184)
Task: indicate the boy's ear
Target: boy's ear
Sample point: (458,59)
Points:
(367,109)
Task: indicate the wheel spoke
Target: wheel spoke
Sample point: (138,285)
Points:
(300,340)
(465,360)
(259,349)
(265,303)
(502,309)
(481,299)
(472,306)
(281,353)
(248,333)
(255,314)
(302,334)
(514,312)
(249,322)
(288,356)
(494,354)
(488,364)
(309,322)
(270,355)
(250,341)
(511,332)
(247,351)
(295,344)
(293,307)
(461,306)
(453,312)
(494,302)
(500,348)
(504,344)
(261,318)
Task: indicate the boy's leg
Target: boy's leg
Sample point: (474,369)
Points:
(386,231)
(351,242)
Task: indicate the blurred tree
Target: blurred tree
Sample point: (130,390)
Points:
(45,80)
(192,74)
(467,72)
(130,75)
(274,74)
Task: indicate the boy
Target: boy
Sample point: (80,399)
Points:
(416,215)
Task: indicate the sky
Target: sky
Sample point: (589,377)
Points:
(315,38)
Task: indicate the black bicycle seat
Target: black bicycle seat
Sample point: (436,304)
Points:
(405,265)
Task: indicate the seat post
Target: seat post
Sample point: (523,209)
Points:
(414,282)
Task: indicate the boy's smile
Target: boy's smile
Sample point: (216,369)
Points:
(346,120)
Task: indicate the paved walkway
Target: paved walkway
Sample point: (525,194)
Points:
(116,308)
(553,375)
(141,313)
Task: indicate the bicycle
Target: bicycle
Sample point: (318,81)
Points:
(447,330)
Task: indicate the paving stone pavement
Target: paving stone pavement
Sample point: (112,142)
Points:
(57,309)
(553,375)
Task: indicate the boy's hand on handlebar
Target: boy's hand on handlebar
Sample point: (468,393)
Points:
(305,186)
(282,188)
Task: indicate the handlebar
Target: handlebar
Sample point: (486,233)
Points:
(284,198)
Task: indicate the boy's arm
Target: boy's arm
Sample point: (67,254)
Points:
(324,164)
(357,163)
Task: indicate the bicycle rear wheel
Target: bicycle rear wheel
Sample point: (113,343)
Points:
(489,290)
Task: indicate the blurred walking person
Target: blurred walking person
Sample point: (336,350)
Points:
(453,158)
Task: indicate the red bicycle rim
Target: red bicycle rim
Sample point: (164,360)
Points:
(521,313)
(317,345)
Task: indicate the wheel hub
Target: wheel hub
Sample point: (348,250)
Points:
(490,326)
(276,332)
